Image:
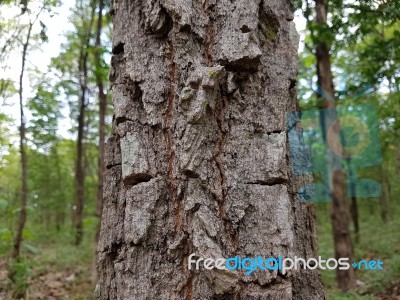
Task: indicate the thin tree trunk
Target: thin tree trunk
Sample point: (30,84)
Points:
(60,215)
(80,160)
(353,205)
(385,196)
(198,158)
(24,162)
(80,168)
(340,213)
(102,115)
(354,217)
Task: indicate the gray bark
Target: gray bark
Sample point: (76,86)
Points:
(198,158)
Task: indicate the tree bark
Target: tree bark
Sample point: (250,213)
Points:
(24,160)
(198,158)
(340,212)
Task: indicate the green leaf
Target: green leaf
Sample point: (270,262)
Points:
(27,235)
(309,61)
(29,209)
(5,234)
(348,138)
(90,221)
(3,204)
(32,249)
(16,210)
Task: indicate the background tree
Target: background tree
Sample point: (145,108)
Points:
(340,224)
(100,78)
(33,18)
(348,26)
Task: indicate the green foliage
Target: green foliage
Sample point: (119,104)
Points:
(20,272)
(3,204)
(5,234)
(5,240)
(50,102)
(45,109)
(32,249)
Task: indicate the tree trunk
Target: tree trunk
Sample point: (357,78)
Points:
(102,115)
(385,196)
(353,205)
(24,160)
(198,158)
(355,219)
(80,160)
(340,212)
(61,198)
(80,167)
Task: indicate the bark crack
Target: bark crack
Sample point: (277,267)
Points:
(118,49)
(136,179)
(189,287)
(113,165)
(210,37)
(168,135)
(220,118)
(269,181)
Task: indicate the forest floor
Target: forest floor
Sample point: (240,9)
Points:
(58,270)
(377,240)
(48,285)
(55,269)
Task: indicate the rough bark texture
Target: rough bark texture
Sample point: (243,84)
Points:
(198,158)
(340,212)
